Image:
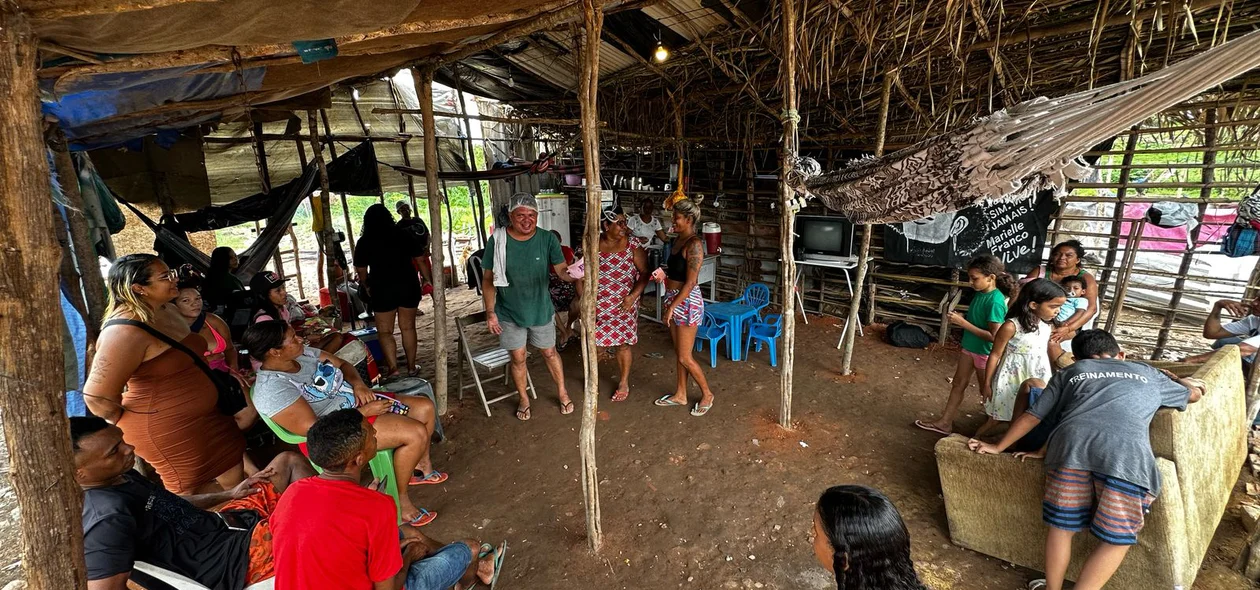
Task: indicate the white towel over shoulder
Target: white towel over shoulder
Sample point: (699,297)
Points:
(500,258)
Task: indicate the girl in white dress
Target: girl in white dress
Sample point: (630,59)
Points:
(1020,349)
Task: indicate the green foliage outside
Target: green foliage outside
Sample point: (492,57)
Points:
(463,217)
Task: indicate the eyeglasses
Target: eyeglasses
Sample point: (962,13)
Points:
(168,275)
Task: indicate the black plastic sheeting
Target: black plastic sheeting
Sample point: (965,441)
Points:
(353,172)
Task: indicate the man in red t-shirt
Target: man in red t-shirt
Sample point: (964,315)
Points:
(331,532)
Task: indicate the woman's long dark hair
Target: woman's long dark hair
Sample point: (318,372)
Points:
(1036,291)
(378,222)
(220,262)
(871,544)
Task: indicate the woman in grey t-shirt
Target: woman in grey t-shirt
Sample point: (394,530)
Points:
(298,384)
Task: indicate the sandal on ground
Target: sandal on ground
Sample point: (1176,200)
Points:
(522,414)
(930,427)
(425,517)
(567,408)
(499,554)
(621,395)
(486,549)
(665,401)
(700,410)
(433,478)
(1038,584)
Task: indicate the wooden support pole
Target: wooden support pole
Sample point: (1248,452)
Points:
(1117,217)
(1131,247)
(327,237)
(264,179)
(588,91)
(345,207)
(864,253)
(788,154)
(440,341)
(80,235)
(32,398)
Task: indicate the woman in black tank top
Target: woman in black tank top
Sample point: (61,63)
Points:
(684,305)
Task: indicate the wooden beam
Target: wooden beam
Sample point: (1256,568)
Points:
(509,120)
(588,91)
(788,154)
(864,252)
(32,394)
(431,162)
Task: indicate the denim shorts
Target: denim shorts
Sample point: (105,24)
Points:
(441,570)
(514,337)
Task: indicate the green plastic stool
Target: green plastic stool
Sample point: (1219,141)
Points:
(382,465)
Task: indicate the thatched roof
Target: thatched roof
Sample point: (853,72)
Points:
(169,64)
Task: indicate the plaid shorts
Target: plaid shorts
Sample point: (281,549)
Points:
(1113,509)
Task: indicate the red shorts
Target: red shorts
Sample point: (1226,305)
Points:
(262,563)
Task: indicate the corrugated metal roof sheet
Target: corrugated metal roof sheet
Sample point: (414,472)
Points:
(686,17)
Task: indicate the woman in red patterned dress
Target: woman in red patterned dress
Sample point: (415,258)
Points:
(622,276)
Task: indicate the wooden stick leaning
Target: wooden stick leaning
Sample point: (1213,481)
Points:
(440,339)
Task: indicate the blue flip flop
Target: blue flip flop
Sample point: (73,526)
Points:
(665,402)
(498,563)
(425,517)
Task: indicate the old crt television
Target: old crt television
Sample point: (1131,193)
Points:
(823,238)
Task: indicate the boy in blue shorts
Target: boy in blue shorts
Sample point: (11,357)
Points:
(1100,469)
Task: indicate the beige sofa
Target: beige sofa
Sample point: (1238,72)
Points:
(993,502)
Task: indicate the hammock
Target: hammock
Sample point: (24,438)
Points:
(254,258)
(1016,152)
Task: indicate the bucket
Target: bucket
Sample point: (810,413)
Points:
(712,237)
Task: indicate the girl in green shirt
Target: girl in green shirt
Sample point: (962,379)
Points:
(985,315)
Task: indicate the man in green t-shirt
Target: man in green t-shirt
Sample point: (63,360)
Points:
(519,307)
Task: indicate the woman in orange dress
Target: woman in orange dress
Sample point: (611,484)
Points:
(169,411)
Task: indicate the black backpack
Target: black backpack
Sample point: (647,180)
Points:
(905,335)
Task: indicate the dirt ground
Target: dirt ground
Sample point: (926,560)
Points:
(723,501)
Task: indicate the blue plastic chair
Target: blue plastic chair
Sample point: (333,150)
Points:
(756,295)
(768,331)
(713,332)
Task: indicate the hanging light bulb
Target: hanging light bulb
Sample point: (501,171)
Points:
(661,54)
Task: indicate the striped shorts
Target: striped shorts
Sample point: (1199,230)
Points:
(690,311)
(1113,509)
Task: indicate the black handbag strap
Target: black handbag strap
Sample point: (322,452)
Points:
(177,345)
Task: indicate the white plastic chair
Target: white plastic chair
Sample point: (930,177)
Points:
(179,582)
(488,359)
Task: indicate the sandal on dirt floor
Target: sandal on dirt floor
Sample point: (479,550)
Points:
(567,408)
(1038,584)
(499,554)
(621,395)
(433,478)
(425,517)
(522,414)
(665,401)
(700,410)
(928,426)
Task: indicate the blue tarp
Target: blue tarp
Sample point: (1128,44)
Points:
(92,112)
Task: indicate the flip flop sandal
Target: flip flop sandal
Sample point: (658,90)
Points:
(425,517)
(621,396)
(1038,584)
(499,554)
(664,401)
(930,428)
(433,478)
(700,410)
(567,408)
(486,549)
(523,414)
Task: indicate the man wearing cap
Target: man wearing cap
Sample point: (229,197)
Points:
(415,226)
(517,298)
